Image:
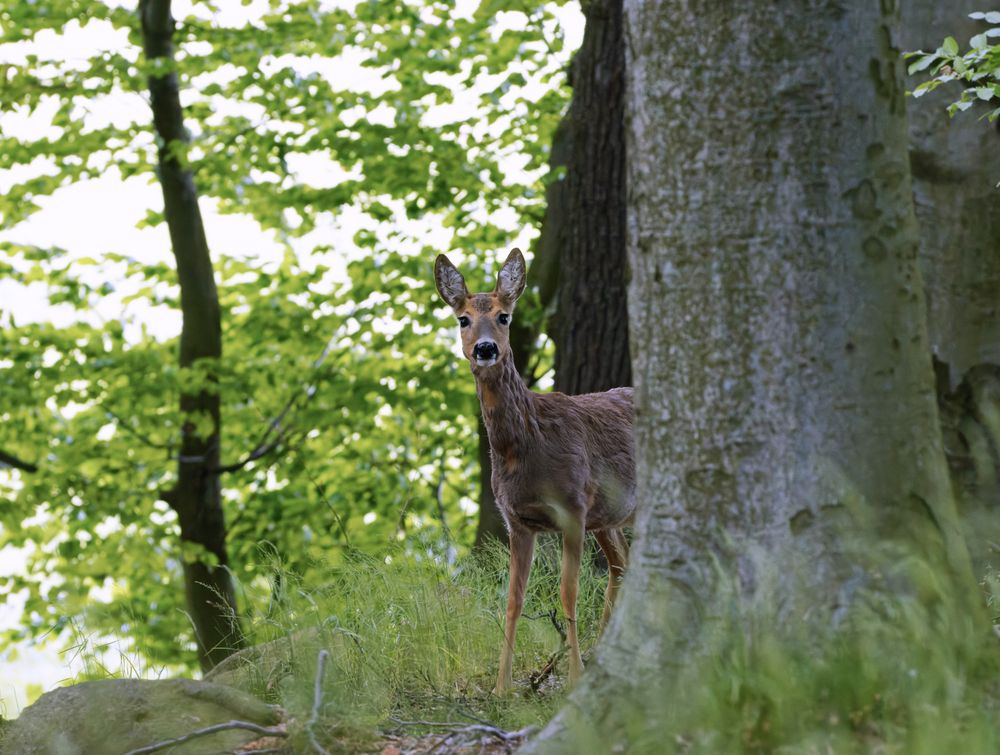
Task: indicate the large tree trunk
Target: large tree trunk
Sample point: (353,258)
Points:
(211,598)
(590,324)
(956,165)
(783,377)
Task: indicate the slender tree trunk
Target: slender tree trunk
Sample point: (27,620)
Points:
(196,498)
(783,378)
(490,526)
(590,325)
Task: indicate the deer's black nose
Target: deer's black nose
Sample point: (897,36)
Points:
(485,350)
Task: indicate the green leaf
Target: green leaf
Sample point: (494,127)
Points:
(922,64)
(950,46)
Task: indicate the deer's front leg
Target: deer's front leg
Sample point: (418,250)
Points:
(522,548)
(572,553)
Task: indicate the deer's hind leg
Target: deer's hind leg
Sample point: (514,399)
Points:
(574,536)
(615,547)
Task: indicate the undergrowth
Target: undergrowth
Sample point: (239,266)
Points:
(420,641)
(909,668)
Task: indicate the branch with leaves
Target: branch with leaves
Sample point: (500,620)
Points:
(978,69)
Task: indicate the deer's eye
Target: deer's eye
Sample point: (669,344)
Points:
(503,319)
(464,321)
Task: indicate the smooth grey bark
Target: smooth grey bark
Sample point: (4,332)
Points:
(784,386)
(956,165)
(196,497)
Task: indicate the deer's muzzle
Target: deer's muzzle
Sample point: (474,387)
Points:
(485,353)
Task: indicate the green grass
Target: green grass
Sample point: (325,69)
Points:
(908,669)
(419,640)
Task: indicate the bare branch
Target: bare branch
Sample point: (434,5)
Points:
(121,423)
(264,445)
(267,731)
(551,615)
(463,728)
(317,702)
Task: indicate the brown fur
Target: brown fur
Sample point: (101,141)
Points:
(560,463)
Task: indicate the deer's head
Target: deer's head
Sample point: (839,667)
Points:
(484,318)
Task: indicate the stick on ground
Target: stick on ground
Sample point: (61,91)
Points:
(267,731)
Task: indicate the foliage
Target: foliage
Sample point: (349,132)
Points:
(376,439)
(978,69)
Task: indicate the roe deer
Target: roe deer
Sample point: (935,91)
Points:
(562,463)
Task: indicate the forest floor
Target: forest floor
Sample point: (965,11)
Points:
(395,658)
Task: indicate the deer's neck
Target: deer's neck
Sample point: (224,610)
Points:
(508,407)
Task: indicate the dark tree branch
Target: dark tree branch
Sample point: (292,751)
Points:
(120,422)
(264,447)
(9,460)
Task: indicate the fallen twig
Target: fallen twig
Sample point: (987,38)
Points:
(536,679)
(463,728)
(317,702)
(267,731)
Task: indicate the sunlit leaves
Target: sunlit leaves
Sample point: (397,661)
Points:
(395,111)
(978,69)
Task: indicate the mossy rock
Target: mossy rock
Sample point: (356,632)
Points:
(114,716)
(261,669)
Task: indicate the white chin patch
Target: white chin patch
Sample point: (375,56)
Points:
(485,362)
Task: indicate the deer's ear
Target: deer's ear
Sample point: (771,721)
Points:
(511,279)
(450,283)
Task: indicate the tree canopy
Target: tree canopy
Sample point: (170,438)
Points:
(347,422)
